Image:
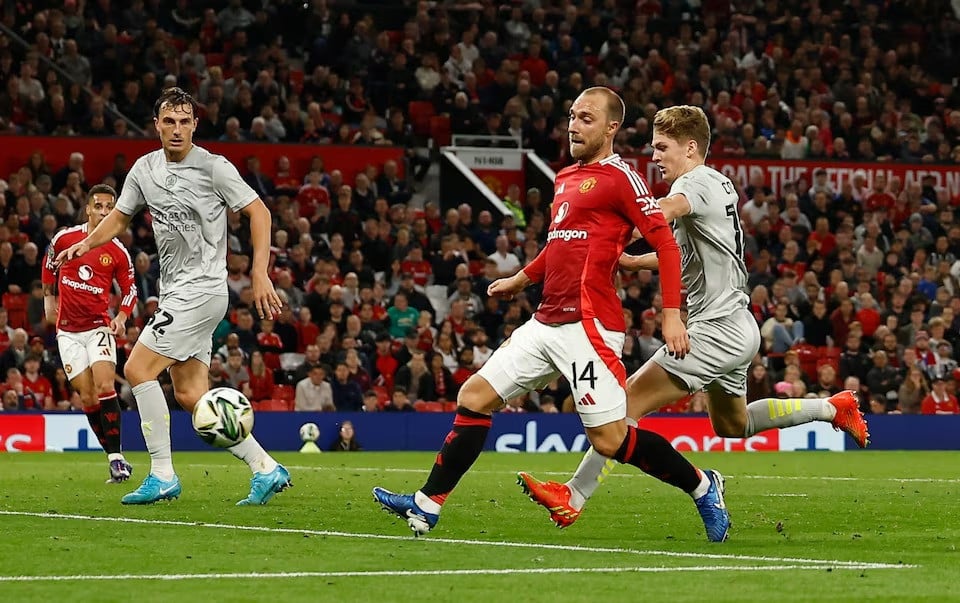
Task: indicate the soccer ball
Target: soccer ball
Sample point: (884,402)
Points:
(223,417)
(309,432)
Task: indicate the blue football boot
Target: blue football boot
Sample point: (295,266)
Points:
(713,510)
(153,489)
(404,506)
(264,485)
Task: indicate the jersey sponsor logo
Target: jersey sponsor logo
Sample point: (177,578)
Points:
(566,235)
(587,185)
(78,286)
(561,212)
(85,272)
(105,259)
(649,205)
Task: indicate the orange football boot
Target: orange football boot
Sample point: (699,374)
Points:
(849,417)
(553,496)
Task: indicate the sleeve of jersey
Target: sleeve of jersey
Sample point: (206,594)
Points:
(131,198)
(229,186)
(658,234)
(692,192)
(537,269)
(47,276)
(127,282)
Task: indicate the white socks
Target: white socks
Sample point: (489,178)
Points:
(701,489)
(155,424)
(591,472)
(774,413)
(426,504)
(252,453)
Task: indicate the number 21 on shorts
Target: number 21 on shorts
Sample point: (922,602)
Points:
(585,375)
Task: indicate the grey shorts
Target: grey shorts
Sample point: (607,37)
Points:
(184,324)
(721,350)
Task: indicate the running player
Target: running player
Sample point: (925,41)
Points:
(724,336)
(188,191)
(76,298)
(578,329)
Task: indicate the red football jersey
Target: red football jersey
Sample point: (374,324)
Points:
(421,271)
(310,197)
(931,405)
(84,283)
(36,392)
(595,209)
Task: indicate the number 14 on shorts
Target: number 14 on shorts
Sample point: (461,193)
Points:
(585,375)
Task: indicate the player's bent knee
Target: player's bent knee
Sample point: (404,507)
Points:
(478,395)
(187,398)
(730,427)
(106,387)
(606,447)
(89,399)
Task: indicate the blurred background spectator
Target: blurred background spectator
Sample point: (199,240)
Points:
(379,282)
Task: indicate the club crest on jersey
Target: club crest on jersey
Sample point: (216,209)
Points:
(561,212)
(105,259)
(171,180)
(85,272)
(587,185)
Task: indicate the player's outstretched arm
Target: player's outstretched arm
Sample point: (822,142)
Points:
(633,263)
(675,206)
(654,228)
(265,297)
(115,223)
(507,288)
(50,304)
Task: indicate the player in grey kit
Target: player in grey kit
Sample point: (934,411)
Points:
(188,191)
(724,337)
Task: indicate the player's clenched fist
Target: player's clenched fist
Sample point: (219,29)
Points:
(74,251)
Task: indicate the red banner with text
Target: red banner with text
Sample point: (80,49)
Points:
(99,154)
(777,172)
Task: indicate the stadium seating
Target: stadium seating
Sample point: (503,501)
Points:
(16,305)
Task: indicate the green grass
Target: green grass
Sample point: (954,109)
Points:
(892,508)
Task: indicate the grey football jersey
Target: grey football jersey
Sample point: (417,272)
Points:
(711,244)
(188,201)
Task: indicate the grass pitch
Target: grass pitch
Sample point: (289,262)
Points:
(872,526)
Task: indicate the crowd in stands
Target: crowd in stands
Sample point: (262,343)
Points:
(857,287)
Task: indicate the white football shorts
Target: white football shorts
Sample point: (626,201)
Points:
(78,351)
(587,354)
(183,325)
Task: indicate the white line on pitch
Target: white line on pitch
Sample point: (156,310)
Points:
(616,475)
(784,495)
(491,543)
(453,572)
(935,480)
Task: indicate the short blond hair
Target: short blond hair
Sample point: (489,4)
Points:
(683,123)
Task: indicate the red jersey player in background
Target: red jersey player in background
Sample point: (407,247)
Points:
(77,297)
(578,330)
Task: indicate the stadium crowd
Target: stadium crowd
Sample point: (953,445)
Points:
(854,288)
